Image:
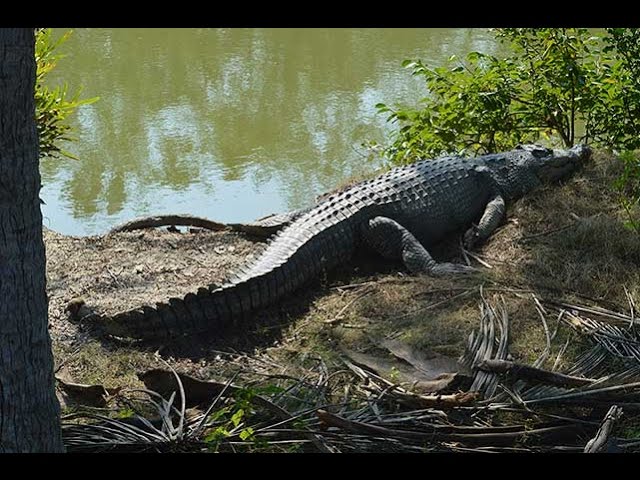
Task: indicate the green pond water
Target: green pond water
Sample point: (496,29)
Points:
(230,124)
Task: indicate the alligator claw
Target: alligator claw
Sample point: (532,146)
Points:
(451,269)
(470,238)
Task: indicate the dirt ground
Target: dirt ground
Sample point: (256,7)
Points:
(121,271)
(567,242)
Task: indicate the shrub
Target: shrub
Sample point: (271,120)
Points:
(560,85)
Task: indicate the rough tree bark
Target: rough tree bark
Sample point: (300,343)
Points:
(29,410)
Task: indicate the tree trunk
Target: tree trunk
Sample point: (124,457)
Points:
(29,410)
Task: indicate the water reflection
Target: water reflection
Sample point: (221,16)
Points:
(227,123)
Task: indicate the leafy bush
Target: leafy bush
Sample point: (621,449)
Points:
(617,112)
(555,84)
(53,104)
(469,107)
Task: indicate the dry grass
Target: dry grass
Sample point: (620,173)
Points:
(570,239)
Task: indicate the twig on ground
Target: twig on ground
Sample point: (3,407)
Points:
(462,294)
(115,278)
(546,232)
(477,258)
(600,442)
(632,306)
(547,349)
(533,374)
(464,253)
(340,315)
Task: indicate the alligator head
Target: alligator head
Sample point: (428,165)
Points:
(551,165)
(528,166)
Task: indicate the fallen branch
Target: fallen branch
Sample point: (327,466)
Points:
(533,374)
(480,438)
(600,442)
(476,258)
(262,228)
(169,220)
(601,312)
(620,390)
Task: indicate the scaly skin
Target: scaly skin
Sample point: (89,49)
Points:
(397,214)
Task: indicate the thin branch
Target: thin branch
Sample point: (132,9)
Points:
(600,442)
(533,374)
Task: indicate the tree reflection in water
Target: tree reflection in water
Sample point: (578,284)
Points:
(231,124)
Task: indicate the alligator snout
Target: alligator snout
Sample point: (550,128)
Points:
(582,151)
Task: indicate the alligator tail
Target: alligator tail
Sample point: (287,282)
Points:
(209,309)
(288,262)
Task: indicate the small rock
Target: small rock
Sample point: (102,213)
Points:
(219,250)
(138,269)
(231,248)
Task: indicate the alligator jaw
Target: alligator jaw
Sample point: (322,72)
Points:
(561,163)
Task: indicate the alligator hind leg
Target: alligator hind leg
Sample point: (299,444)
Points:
(392,240)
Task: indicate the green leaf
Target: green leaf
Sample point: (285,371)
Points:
(217,435)
(125,413)
(218,414)
(236,418)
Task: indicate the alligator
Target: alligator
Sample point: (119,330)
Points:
(397,214)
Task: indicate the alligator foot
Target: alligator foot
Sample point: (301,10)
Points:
(445,268)
(470,239)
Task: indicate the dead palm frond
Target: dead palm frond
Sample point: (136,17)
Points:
(509,406)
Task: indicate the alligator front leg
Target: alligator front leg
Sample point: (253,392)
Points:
(492,217)
(392,240)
